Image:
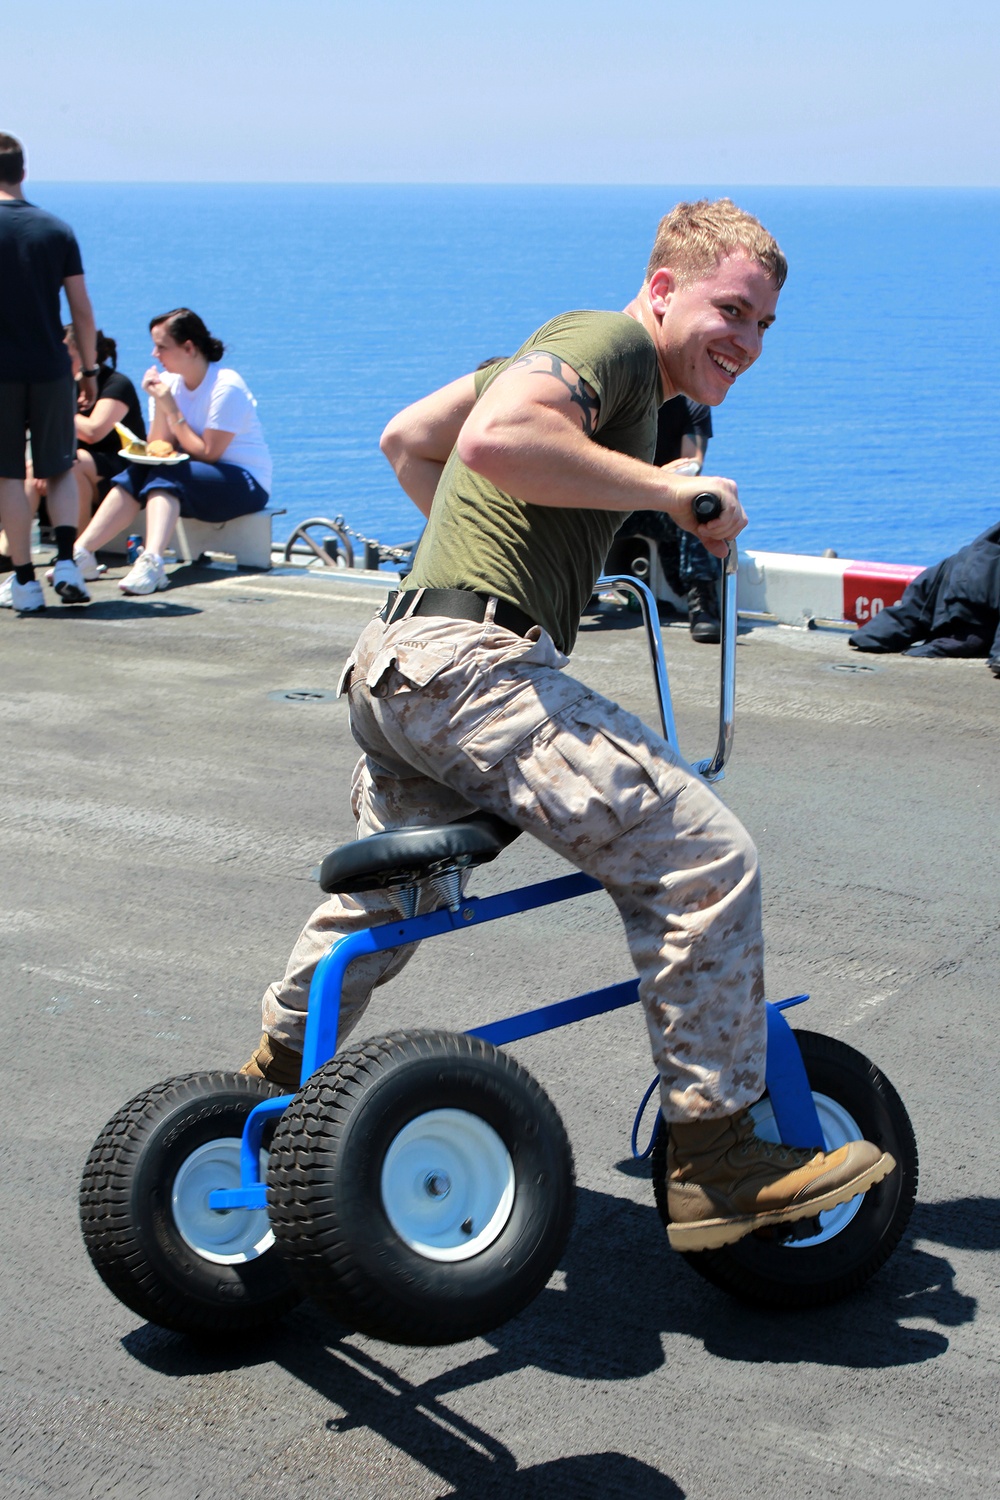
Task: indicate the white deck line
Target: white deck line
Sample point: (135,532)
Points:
(788,588)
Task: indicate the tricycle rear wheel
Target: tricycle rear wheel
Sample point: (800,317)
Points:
(144,1210)
(421,1187)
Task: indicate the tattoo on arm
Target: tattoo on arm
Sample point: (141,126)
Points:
(580,393)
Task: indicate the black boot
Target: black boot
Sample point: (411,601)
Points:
(703,612)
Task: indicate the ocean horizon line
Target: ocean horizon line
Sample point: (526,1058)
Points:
(683,187)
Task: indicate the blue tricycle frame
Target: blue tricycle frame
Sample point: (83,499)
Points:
(788,1085)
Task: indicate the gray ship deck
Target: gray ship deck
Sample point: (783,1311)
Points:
(163,816)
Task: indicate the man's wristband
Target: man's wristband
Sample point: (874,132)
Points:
(89,373)
(177,418)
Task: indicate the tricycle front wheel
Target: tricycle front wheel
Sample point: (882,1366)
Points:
(854,1101)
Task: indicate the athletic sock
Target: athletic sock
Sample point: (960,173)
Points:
(25,573)
(65,540)
(6,563)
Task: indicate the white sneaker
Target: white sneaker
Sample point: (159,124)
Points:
(146,575)
(26,598)
(88,564)
(90,568)
(6,601)
(67,580)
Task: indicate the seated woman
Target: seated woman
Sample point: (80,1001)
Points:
(202,410)
(98,456)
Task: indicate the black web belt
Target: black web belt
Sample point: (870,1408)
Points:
(455,604)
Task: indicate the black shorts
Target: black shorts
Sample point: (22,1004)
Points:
(108,465)
(46,410)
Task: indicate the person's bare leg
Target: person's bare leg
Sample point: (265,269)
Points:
(33,490)
(63,499)
(87,480)
(148,574)
(116,511)
(162,512)
(17,516)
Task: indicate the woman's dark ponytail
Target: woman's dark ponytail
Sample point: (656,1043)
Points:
(107,350)
(184,327)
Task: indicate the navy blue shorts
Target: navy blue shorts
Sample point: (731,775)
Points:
(207,492)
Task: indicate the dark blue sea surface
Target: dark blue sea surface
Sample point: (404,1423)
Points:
(869,424)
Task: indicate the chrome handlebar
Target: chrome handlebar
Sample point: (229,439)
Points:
(712,768)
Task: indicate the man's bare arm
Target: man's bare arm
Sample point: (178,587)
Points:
(419,440)
(693,449)
(84,332)
(578,392)
(529,434)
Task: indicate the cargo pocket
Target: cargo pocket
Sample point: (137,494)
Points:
(653,758)
(520,715)
(407,666)
(594,773)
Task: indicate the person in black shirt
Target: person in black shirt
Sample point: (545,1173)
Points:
(98,451)
(682,433)
(39,257)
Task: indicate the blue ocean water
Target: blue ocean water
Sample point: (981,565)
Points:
(869,424)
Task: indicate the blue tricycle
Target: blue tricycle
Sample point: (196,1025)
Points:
(420,1184)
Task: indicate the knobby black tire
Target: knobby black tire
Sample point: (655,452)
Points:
(127,1218)
(774,1274)
(325,1194)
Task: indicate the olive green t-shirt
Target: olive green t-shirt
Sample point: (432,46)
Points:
(546,560)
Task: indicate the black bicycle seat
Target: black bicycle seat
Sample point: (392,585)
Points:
(405,856)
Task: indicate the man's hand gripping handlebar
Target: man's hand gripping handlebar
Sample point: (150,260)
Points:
(707,506)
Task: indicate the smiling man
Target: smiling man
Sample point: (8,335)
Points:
(460,699)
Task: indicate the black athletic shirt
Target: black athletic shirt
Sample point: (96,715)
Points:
(37,253)
(117,387)
(679,418)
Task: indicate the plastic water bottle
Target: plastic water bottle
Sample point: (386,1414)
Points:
(132,549)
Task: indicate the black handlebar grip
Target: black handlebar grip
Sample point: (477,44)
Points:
(706,507)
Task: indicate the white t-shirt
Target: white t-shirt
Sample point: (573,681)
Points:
(224,403)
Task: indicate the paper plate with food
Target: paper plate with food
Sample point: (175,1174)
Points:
(156,452)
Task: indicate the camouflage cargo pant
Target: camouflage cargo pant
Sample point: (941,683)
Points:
(453,716)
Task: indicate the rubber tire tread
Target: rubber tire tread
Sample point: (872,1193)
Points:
(324,1188)
(770,1274)
(126,1222)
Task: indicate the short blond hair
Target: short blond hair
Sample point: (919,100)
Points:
(693,237)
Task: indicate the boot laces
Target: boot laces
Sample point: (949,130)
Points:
(751,1144)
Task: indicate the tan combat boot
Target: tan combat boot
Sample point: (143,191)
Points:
(723,1181)
(276,1062)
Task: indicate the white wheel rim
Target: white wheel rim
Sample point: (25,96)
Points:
(839,1129)
(447,1185)
(227,1237)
